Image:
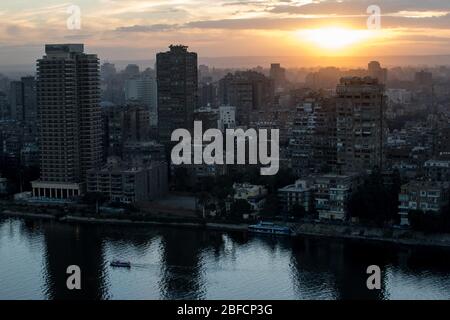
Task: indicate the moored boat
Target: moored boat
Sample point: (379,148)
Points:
(270,228)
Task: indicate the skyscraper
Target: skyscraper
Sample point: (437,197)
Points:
(70,120)
(360,128)
(177,81)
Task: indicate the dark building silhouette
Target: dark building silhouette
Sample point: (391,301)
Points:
(177,81)
(23,100)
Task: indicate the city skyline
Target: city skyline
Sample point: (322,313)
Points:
(137,30)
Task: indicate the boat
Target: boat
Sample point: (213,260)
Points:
(270,228)
(120,264)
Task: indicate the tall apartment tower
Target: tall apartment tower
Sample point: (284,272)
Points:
(360,127)
(23,100)
(68,95)
(313,142)
(177,81)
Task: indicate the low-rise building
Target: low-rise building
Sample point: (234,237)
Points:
(227,117)
(255,195)
(425,196)
(332,195)
(301,194)
(120,182)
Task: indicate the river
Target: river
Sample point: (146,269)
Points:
(172,263)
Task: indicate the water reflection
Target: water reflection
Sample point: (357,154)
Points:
(74,245)
(173,263)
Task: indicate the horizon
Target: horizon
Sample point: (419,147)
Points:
(248,62)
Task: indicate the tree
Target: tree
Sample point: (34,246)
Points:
(376,201)
(240,207)
(298,211)
(271,207)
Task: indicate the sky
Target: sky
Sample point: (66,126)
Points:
(138,29)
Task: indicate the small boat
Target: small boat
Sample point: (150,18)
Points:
(120,264)
(270,228)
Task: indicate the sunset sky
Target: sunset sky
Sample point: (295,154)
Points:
(137,29)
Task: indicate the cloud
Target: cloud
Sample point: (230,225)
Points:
(359,7)
(149,28)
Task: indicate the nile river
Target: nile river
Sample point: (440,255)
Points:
(170,263)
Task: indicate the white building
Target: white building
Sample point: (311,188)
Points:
(255,195)
(332,195)
(300,193)
(227,117)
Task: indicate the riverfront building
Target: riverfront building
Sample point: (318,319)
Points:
(122,182)
(332,195)
(69,116)
(425,196)
(301,194)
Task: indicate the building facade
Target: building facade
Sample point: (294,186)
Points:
(125,183)
(70,120)
(332,195)
(425,196)
(361,126)
(313,143)
(301,193)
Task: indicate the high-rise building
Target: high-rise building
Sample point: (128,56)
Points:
(68,97)
(107,71)
(248,91)
(131,70)
(4,107)
(278,75)
(177,81)
(360,127)
(143,89)
(208,94)
(313,142)
(23,100)
(377,72)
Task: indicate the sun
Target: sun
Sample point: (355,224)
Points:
(334,38)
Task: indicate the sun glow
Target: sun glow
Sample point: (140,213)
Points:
(334,38)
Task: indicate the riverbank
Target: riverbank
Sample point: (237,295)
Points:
(317,230)
(92,220)
(362,233)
